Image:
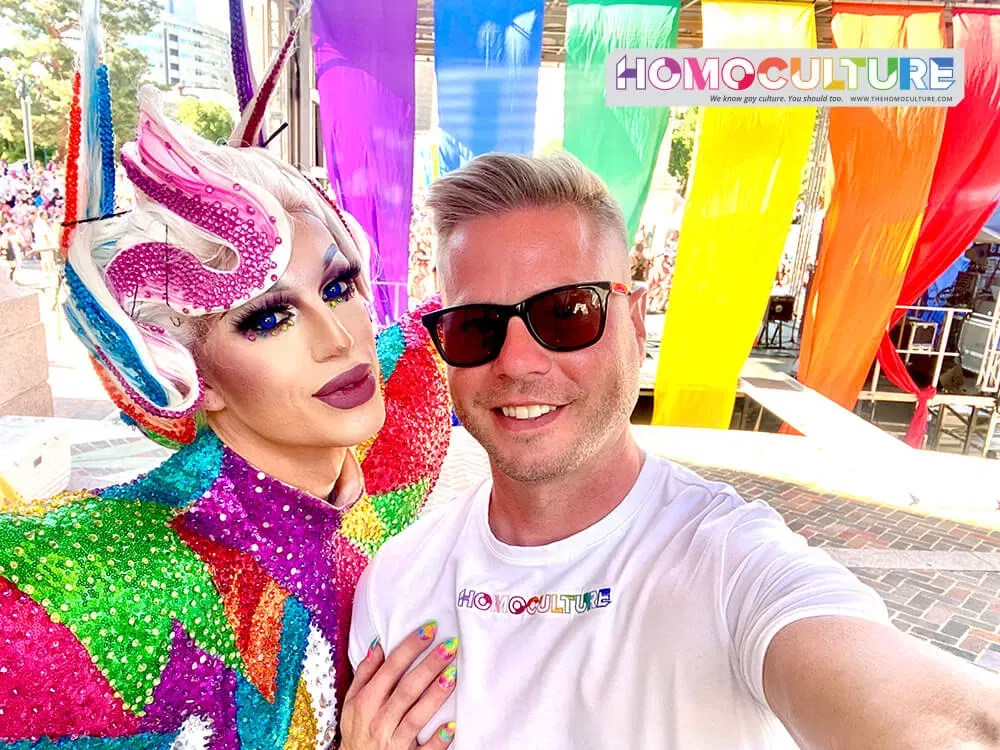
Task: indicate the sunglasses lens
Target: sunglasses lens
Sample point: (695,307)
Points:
(568,319)
(471,335)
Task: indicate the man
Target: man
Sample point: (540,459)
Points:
(604,597)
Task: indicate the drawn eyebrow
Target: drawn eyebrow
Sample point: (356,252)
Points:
(331,253)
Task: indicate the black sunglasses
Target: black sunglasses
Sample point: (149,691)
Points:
(563,319)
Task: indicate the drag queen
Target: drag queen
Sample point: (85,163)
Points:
(206,604)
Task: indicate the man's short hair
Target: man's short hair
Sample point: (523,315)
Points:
(496,183)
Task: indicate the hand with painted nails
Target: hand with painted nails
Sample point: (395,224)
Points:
(388,704)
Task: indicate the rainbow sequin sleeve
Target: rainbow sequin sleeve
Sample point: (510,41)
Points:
(90,597)
(403,461)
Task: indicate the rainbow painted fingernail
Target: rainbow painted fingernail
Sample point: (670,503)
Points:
(448,649)
(428,630)
(447,732)
(372,647)
(448,677)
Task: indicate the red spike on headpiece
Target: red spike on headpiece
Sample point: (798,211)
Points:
(253,116)
(72,168)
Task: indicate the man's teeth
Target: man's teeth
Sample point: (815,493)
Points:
(526,412)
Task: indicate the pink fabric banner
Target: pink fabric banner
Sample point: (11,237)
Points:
(365,54)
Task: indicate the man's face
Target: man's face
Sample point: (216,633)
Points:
(504,259)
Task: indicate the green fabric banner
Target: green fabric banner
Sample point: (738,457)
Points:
(619,143)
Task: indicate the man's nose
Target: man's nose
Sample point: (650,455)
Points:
(521,355)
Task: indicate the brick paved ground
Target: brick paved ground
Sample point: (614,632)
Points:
(82,408)
(956,610)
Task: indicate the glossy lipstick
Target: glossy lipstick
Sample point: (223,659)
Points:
(349,389)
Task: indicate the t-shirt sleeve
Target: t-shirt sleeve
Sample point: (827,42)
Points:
(771,578)
(363,629)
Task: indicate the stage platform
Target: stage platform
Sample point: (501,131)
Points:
(961,422)
(758,365)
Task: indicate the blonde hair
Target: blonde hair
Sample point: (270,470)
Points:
(500,183)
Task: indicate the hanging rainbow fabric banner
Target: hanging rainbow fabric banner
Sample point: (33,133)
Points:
(619,143)
(486,57)
(365,53)
(965,189)
(884,159)
(746,175)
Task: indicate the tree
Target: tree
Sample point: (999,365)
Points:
(682,145)
(46,28)
(210,120)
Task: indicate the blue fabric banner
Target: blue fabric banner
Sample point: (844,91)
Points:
(486,56)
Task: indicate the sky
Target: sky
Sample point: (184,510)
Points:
(7,37)
(209,13)
(214,14)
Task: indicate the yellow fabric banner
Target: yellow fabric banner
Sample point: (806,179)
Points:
(884,160)
(745,179)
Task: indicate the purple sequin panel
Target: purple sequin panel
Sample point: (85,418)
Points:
(290,533)
(194,684)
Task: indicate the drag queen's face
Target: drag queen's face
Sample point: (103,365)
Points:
(296,368)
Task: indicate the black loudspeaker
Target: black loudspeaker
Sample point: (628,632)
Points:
(964,290)
(781,308)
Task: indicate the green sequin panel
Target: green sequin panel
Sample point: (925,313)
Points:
(398,509)
(182,478)
(118,576)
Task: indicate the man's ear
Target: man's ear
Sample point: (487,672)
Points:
(637,307)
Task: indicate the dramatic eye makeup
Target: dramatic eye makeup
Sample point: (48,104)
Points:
(272,313)
(342,287)
(275,312)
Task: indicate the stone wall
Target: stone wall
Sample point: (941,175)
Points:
(24,360)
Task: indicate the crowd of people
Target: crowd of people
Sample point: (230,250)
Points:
(421,265)
(31,210)
(32,205)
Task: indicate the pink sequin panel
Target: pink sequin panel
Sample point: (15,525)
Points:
(49,685)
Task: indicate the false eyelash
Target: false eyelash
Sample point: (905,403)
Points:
(349,274)
(250,319)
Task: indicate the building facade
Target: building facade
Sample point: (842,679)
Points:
(182,52)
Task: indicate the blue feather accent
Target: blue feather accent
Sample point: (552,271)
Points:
(90,97)
(107,137)
(98,330)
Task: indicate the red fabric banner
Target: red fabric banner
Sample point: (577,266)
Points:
(883,160)
(965,189)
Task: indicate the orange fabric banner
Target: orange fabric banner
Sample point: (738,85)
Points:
(883,161)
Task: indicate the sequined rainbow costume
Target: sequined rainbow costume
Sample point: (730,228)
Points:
(205,604)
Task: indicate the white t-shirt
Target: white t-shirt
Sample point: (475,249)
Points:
(646,630)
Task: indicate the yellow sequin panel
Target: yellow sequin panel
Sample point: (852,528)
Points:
(9,497)
(361,450)
(361,525)
(14,503)
(303,730)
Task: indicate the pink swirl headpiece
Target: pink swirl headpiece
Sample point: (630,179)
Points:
(148,373)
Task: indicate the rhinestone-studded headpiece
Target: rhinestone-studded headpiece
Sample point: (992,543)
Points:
(147,372)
